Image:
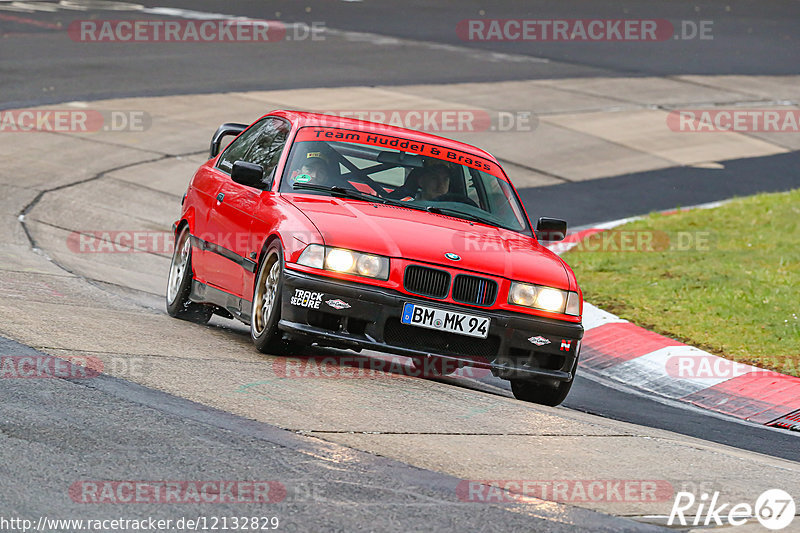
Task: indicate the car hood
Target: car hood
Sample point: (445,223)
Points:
(426,237)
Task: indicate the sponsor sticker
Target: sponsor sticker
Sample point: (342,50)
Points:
(565,345)
(539,341)
(426,149)
(303,298)
(338,304)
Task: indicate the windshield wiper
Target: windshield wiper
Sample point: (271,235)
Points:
(341,192)
(460,214)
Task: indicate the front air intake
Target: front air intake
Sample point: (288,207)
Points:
(426,281)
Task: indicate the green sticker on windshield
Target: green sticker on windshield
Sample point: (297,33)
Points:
(303,178)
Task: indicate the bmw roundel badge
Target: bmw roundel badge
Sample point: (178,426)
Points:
(452,256)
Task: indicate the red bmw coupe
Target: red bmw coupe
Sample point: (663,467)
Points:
(344,233)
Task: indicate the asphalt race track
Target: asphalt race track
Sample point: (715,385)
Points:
(184,402)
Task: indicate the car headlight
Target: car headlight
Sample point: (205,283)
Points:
(370,265)
(573,304)
(313,256)
(550,299)
(345,261)
(522,294)
(340,260)
(544,298)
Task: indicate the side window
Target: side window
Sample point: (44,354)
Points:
(472,190)
(238,148)
(266,150)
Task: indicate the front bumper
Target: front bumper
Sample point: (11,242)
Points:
(351,315)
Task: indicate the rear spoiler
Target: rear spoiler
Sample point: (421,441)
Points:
(229,128)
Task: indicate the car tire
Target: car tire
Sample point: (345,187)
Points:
(550,393)
(266,310)
(179,284)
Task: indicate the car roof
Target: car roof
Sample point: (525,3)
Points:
(303,119)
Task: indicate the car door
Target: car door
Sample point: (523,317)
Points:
(234,205)
(207,184)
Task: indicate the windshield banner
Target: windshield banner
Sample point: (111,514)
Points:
(399,143)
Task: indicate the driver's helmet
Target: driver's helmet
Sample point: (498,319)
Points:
(315,165)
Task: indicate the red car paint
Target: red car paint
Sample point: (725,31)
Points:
(248,218)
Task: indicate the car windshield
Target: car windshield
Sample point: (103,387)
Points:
(414,179)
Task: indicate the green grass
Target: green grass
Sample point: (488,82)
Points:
(736,294)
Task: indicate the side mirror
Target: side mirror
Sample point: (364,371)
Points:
(248,174)
(551,229)
(231,128)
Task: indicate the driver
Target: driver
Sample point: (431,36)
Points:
(314,167)
(434,181)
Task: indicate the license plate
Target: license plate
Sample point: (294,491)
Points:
(439,319)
